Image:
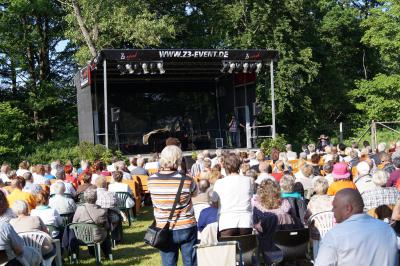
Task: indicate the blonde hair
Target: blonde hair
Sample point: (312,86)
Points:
(321,186)
(269,194)
(171,157)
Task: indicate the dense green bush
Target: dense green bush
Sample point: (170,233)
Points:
(279,143)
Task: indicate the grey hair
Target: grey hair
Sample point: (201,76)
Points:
(380,178)
(321,186)
(120,165)
(59,188)
(20,207)
(381,147)
(27,176)
(287,183)
(54,165)
(60,174)
(171,157)
(311,147)
(90,195)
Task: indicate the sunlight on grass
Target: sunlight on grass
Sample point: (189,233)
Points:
(132,250)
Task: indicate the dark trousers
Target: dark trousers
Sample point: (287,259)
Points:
(235,232)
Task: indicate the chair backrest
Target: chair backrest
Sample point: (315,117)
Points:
(152,171)
(122,197)
(221,254)
(293,243)
(133,185)
(34,239)
(323,221)
(143,183)
(84,232)
(248,245)
(67,218)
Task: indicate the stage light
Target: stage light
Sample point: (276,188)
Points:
(259,66)
(153,68)
(145,69)
(238,67)
(136,69)
(225,67)
(161,68)
(129,68)
(245,67)
(121,69)
(252,68)
(231,68)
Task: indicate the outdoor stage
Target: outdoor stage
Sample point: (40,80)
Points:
(135,99)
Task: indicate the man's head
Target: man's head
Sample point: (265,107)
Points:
(5,168)
(288,147)
(101,182)
(117,176)
(28,177)
(363,168)
(265,167)
(204,184)
(346,203)
(18,183)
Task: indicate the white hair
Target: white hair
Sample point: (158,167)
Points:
(381,147)
(380,178)
(59,188)
(171,157)
(120,165)
(140,162)
(363,168)
(20,207)
(54,165)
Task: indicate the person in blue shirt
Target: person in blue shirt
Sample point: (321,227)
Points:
(208,215)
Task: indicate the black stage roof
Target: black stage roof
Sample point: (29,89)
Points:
(179,64)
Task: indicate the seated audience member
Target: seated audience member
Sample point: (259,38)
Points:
(84,167)
(68,169)
(48,215)
(234,193)
(207,165)
(60,178)
(265,171)
(30,187)
(118,186)
(320,202)
(208,215)
(4,172)
(99,169)
(139,170)
(279,170)
(152,162)
(328,168)
(386,164)
(380,194)
(244,167)
(39,177)
(47,172)
(201,200)
(363,180)
(260,157)
(6,213)
(16,251)
(121,166)
(290,154)
(59,201)
(218,155)
(92,213)
(87,183)
(357,238)
(315,165)
(26,223)
(270,213)
(17,194)
(297,202)
(55,166)
(395,175)
(305,177)
(253,175)
(341,177)
(22,168)
(311,149)
(132,163)
(354,159)
(215,174)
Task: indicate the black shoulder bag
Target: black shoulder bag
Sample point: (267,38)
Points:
(160,237)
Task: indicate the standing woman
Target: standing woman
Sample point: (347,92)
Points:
(234,193)
(163,187)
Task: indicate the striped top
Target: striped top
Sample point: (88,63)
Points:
(163,189)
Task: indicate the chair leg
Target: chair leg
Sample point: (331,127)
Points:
(129,217)
(97,253)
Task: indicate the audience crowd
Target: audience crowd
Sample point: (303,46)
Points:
(229,193)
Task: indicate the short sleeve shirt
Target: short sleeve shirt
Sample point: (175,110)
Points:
(163,189)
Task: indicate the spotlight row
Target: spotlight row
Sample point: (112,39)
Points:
(141,68)
(237,67)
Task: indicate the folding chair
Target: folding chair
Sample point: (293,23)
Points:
(221,254)
(293,243)
(248,246)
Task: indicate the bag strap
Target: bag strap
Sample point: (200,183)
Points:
(178,194)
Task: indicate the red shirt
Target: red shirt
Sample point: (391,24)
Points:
(277,176)
(70,179)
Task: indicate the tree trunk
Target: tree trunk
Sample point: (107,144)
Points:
(83,28)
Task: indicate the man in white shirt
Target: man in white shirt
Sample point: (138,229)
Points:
(357,239)
(132,165)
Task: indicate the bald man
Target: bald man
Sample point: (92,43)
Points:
(357,239)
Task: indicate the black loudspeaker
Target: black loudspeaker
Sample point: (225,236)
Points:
(115,114)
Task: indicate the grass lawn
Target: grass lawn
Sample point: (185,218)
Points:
(132,250)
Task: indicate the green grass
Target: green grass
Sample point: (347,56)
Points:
(132,250)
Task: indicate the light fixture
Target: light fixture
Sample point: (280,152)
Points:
(153,68)
(121,69)
(136,69)
(245,67)
(259,66)
(161,67)
(238,67)
(145,69)
(225,67)
(129,68)
(231,68)
(252,67)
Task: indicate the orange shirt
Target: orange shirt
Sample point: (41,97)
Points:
(339,185)
(18,194)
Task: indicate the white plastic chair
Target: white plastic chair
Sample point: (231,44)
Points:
(221,253)
(35,240)
(323,222)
